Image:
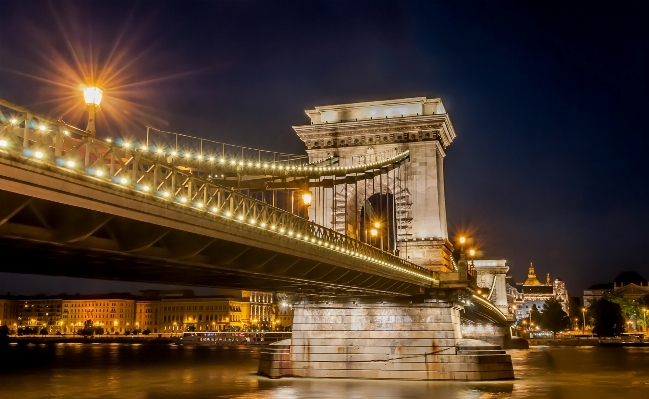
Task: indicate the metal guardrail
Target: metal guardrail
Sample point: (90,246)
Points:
(56,143)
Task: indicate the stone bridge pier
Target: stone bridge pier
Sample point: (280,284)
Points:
(415,338)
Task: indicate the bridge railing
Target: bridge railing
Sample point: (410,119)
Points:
(53,142)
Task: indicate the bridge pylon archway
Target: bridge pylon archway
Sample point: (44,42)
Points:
(367,132)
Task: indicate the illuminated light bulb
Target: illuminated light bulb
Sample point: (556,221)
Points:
(263,224)
(299,235)
(42,128)
(13,121)
(249,164)
(274,166)
(257,164)
(92,95)
(188,155)
(211,159)
(233,162)
(123,180)
(240,163)
(273,227)
(38,154)
(174,153)
(228,214)
(99,173)
(215,209)
(240,217)
(222,160)
(290,233)
(319,242)
(312,239)
(127,145)
(281,230)
(199,205)
(253,221)
(66,132)
(144,148)
(265,165)
(3,143)
(70,164)
(183,200)
(145,188)
(281,166)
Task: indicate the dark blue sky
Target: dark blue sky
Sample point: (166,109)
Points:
(548,100)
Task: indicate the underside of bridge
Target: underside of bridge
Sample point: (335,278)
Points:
(50,238)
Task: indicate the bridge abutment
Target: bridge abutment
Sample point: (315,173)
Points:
(411,340)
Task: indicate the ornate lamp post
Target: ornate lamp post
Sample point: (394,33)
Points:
(583,327)
(92,95)
(472,253)
(307,197)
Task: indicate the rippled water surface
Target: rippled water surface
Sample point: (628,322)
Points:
(167,371)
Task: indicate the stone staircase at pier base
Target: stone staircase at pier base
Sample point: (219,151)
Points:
(383,340)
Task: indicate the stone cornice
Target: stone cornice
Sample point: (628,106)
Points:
(378,131)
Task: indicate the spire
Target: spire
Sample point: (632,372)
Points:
(547,280)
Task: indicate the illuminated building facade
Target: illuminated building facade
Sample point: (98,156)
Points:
(261,313)
(160,312)
(115,315)
(197,313)
(523,297)
(8,313)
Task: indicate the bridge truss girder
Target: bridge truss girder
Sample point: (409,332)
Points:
(57,239)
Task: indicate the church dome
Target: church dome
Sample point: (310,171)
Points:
(531,277)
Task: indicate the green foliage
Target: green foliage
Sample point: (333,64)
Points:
(607,318)
(632,309)
(99,331)
(43,331)
(553,317)
(146,332)
(127,332)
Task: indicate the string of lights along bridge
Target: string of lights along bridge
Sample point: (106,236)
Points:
(267,190)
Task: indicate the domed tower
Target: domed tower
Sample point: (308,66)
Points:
(531,277)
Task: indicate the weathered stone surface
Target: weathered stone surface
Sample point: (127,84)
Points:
(397,341)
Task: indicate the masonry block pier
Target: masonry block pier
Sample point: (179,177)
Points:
(408,338)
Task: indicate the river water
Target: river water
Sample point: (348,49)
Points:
(149,371)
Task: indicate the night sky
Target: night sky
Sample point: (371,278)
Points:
(548,101)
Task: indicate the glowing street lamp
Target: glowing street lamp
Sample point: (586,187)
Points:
(583,327)
(306,198)
(92,96)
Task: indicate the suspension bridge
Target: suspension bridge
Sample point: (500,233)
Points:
(362,215)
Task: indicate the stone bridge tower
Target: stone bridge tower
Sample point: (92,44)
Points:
(368,132)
